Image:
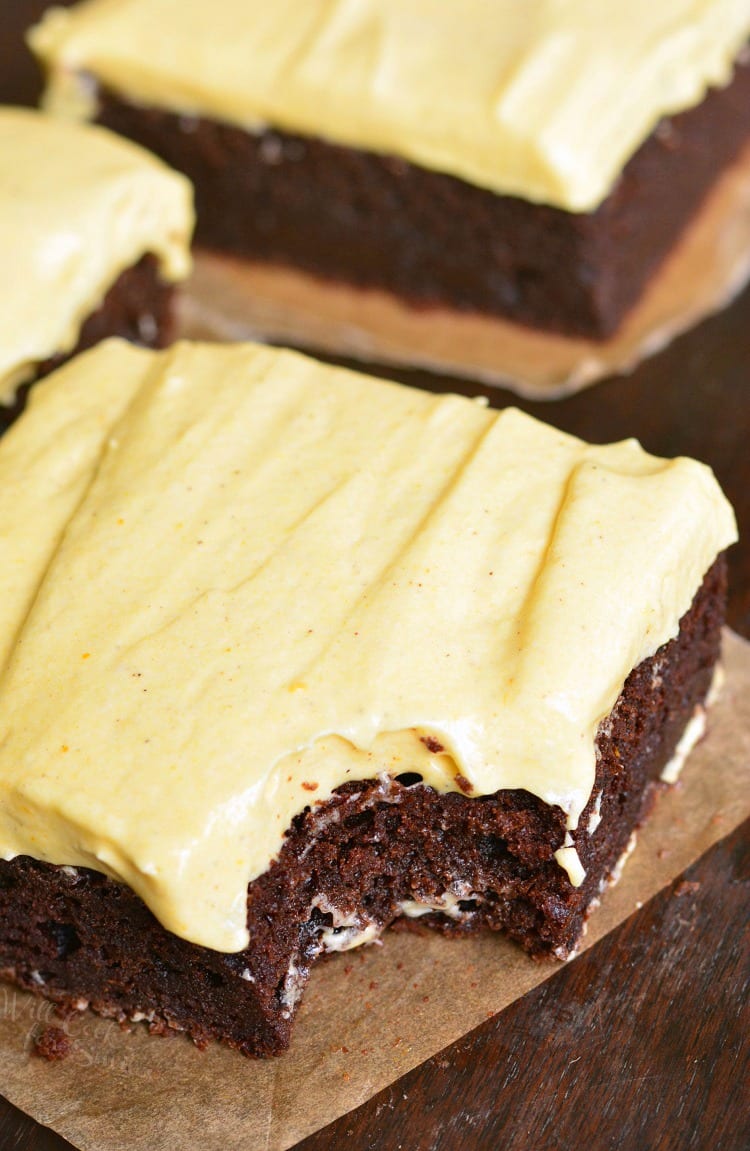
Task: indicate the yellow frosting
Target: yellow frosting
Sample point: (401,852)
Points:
(544,99)
(77,207)
(234,578)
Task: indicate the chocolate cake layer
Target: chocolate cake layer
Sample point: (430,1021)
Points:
(138,307)
(377,851)
(380,222)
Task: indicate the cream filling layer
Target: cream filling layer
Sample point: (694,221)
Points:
(78,206)
(544,99)
(234,578)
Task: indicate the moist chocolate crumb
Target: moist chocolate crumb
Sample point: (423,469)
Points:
(53,1044)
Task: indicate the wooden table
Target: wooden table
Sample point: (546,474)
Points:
(641,1043)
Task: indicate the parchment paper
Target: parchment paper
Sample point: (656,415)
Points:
(368,1016)
(234,300)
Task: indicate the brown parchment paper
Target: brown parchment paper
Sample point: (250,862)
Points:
(368,1016)
(235,300)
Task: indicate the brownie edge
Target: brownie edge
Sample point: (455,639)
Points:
(376,852)
(377,221)
(139,307)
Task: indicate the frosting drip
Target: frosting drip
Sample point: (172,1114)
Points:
(235,578)
(77,207)
(544,99)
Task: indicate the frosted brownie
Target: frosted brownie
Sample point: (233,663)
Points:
(321,655)
(93,232)
(530,161)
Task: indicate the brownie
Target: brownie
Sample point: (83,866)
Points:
(371,855)
(377,221)
(138,307)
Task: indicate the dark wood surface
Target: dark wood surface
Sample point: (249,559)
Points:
(642,1042)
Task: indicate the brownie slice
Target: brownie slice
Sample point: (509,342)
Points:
(379,852)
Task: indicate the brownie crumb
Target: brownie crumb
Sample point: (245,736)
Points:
(432,744)
(53,1044)
(685,887)
(67,1010)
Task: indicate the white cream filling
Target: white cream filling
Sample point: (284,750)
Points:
(693,732)
(595,816)
(446,904)
(347,938)
(569,860)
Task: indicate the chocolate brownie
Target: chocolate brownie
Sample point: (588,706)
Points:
(429,238)
(342,659)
